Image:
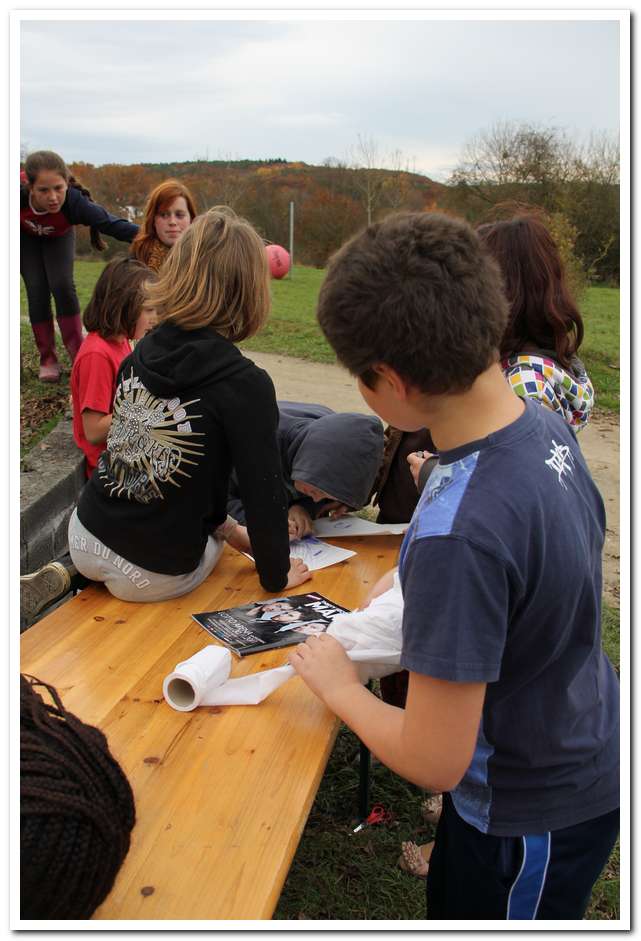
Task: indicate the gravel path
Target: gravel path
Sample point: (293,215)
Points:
(300,381)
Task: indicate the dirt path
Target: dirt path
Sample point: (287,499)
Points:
(300,381)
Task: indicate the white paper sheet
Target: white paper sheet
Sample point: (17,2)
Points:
(372,638)
(316,554)
(355,526)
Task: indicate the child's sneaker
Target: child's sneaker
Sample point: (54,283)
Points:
(43,587)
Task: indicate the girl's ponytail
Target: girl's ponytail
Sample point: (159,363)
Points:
(94,233)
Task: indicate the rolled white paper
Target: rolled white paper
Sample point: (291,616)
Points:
(186,687)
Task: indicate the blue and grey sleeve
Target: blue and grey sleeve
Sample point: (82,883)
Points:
(456,604)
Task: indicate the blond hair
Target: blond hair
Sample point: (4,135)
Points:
(216,275)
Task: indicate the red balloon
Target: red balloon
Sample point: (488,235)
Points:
(278,259)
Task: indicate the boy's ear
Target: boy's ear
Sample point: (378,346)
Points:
(399,386)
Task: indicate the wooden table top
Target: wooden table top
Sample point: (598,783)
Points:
(222,793)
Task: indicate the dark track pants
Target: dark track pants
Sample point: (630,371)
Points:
(46,266)
(473,875)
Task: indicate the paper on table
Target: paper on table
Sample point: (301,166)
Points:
(355,526)
(314,553)
(372,638)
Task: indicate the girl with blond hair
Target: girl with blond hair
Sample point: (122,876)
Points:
(189,406)
(169,211)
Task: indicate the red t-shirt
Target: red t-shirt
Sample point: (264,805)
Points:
(93,386)
(43,224)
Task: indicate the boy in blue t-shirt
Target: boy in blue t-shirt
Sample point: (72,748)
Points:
(512,707)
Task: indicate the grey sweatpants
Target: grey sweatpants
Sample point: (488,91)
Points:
(130,582)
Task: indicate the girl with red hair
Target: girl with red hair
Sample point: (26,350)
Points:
(169,211)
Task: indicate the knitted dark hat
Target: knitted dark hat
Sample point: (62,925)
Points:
(76,810)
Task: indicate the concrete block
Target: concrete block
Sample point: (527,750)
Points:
(50,483)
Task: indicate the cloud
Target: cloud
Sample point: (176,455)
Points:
(153,90)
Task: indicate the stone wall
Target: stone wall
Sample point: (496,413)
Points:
(52,476)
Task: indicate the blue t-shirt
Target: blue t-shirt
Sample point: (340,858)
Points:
(501,577)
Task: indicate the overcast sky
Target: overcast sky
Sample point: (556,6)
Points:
(130,91)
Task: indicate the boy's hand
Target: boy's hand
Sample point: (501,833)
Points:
(298,573)
(334,510)
(323,664)
(300,522)
(416,459)
(239,539)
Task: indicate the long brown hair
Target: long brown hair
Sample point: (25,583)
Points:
(158,200)
(117,298)
(49,160)
(542,309)
(216,275)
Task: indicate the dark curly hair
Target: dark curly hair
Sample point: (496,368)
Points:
(76,810)
(417,293)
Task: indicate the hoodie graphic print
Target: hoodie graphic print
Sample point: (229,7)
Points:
(150,442)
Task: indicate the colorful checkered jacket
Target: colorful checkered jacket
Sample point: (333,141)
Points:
(566,391)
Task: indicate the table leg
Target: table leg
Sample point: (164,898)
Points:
(364,765)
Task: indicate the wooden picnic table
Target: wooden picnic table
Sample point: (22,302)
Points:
(222,793)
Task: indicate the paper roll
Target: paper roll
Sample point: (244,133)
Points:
(203,680)
(187,686)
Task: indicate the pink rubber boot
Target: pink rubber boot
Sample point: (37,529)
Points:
(46,343)
(71,330)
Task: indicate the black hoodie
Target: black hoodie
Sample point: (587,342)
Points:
(188,407)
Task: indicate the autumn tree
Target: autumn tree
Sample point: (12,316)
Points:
(368,177)
(543,167)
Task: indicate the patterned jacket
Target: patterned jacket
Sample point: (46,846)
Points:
(566,391)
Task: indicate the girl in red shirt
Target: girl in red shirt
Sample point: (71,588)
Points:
(116,314)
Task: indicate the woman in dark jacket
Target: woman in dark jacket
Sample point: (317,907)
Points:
(51,203)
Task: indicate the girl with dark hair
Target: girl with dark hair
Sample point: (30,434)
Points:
(116,314)
(51,203)
(545,329)
(76,810)
(169,211)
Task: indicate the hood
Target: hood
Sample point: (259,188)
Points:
(170,360)
(338,453)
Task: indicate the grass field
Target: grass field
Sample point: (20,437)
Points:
(336,874)
(292,331)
